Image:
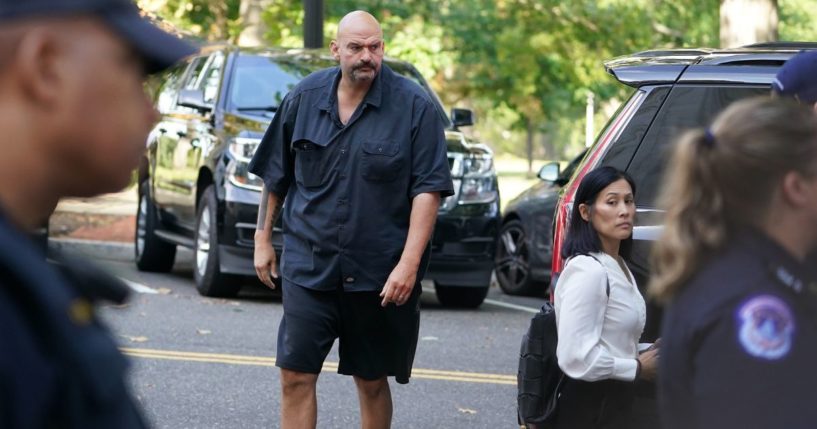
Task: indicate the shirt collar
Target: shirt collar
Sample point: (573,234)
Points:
(373,97)
(783,266)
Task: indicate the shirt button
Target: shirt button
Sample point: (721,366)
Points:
(350,279)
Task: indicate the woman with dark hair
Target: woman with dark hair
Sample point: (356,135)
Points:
(740,326)
(600,313)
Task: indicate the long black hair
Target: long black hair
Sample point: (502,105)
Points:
(582,238)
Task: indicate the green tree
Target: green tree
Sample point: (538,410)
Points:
(524,66)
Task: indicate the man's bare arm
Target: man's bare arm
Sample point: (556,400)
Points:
(400,283)
(264,259)
(267,217)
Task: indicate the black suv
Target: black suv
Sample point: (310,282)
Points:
(195,190)
(674,90)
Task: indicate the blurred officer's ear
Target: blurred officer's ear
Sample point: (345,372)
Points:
(37,65)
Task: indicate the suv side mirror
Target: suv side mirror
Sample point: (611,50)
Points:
(193,98)
(462,117)
(550,172)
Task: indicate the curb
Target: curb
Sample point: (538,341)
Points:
(93,249)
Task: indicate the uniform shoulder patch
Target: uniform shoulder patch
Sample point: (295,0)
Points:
(765,327)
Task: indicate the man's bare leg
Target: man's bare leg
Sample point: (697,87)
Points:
(375,403)
(299,402)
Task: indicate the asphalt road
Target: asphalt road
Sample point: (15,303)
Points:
(209,363)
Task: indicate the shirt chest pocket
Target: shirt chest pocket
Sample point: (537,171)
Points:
(311,162)
(381,160)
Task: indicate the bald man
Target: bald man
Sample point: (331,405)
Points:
(358,155)
(73,122)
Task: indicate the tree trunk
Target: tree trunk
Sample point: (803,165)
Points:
(529,144)
(744,22)
(252,19)
(220,29)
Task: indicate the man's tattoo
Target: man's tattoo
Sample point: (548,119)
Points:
(276,211)
(262,211)
(262,208)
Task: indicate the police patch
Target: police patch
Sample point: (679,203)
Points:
(766,327)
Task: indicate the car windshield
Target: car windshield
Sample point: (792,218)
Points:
(261,82)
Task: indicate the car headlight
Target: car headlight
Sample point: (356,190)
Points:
(477,185)
(241,150)
(477,165)
(478,190)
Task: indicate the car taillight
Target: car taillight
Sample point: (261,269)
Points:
(565,204)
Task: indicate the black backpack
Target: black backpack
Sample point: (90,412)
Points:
(539,379)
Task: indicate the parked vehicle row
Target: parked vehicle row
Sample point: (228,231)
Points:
(195,190)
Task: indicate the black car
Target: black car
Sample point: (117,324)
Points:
(195,190)
(673,90)
(524,249)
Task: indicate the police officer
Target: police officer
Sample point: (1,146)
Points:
(359,154)
(73,121)
(798,78)
(740,331)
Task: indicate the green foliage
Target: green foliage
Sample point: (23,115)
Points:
(512,61)
(798,20)
(206,18)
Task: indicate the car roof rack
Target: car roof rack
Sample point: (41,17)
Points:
(667,65)
(782,45)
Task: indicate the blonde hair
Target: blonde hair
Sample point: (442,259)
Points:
(721,179)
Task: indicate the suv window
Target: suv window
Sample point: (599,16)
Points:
(170,89)
(687,106)
(209,80)
(262,82)
(195,70)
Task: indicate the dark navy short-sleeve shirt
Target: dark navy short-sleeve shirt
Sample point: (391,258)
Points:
(739,343)
(348,189)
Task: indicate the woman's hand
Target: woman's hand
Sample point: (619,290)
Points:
(649,364)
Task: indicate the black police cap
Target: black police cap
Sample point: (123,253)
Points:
(158,49)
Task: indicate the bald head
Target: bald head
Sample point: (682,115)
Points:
(358,23)
(359,48)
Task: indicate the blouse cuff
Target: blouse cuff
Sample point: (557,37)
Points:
(625,369)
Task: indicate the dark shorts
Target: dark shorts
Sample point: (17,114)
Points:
(374,341)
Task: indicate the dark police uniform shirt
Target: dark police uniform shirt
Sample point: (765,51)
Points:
(739,344)
(348,189)
(59,367)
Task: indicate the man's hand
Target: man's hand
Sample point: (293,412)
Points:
(399,284)
(266,264)
(264,260)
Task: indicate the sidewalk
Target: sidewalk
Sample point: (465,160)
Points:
(109,217)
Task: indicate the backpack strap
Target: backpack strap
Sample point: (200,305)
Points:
(605,272)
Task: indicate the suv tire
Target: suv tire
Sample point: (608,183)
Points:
(150,252)
(460,296)
(210,281)
(512,261)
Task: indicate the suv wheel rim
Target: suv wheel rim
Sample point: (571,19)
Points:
(203,241)
(512,263)
(141,225)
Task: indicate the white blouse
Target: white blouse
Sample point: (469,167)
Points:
(598,336)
